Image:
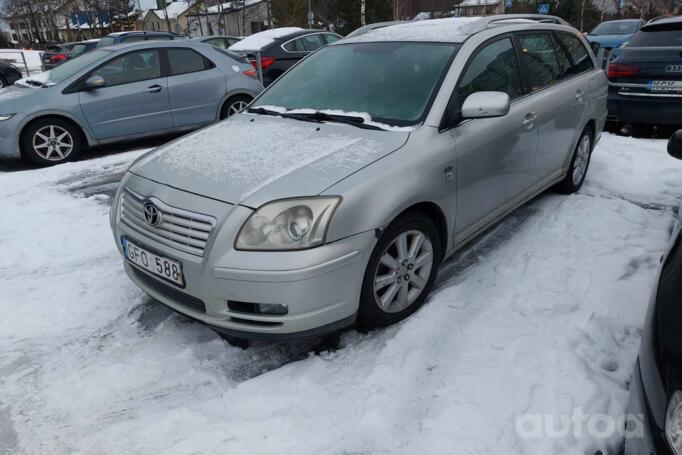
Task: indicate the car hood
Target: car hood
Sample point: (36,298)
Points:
(609,40)
(254,159)
(13,92)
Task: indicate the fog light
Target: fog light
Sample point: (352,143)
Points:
(272,308)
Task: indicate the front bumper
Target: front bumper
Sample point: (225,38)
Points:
(646,109)
(321,286)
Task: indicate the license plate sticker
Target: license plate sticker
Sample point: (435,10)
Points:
(664,86)
(163,267)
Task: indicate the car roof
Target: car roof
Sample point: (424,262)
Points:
(452,29)
(140,32)
(154,44)
(200,37)
(663,22)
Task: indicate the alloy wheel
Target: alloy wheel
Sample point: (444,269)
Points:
(53,143)
(582,159)
(236,107)
(403,271)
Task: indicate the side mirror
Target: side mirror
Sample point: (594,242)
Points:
(675,145)
(94,82)
(486,105)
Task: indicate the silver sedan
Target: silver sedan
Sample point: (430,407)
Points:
(121,93)
(333,199)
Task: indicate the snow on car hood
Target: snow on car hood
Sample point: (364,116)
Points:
(13,92)
(253,159)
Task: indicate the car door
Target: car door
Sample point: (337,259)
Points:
(134,99)
(196,87)
(493,155)
(560,99)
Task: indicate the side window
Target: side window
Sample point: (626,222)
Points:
(565,67)
(182,61)
(294,46)
(311,42)
(579,54)
(218,42)
(132,38)
(131,67)
(330,38)
(542,65)
(493,69)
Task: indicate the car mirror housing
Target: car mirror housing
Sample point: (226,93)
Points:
(675,145)
(486,105)
(94,82)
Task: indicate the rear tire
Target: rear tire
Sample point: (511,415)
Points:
(51,141)
(401,271)
(579,163)
(3,82)
(234,105)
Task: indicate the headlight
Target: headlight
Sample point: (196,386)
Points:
(4,117)
(673,423)
(288,224)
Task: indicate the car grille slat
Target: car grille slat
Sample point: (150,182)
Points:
(181,229)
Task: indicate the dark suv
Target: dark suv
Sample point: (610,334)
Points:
(284,51)
(131,37)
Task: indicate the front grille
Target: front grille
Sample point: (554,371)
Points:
(187,231)
(170,292)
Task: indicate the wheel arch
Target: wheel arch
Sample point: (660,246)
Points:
(231,94)
(432,211)
(85,137)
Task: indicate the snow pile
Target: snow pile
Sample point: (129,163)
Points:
(541,316)
(260,40)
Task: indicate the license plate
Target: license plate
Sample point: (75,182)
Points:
(167,269)
(665,86)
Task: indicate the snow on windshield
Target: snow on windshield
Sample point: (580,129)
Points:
(259,40)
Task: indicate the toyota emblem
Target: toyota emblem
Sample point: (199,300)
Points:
(152,214)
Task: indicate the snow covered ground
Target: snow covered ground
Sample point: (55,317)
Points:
(541,316)
(14,56)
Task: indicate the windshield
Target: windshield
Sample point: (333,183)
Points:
(69,68)
(106,41)
(616,28)
(392,82)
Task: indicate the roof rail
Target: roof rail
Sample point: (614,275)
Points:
(484,22)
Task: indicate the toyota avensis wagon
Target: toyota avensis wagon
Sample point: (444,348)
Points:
(336,195)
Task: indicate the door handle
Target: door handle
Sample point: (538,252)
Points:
(529,120)
(153,89)
(579,96)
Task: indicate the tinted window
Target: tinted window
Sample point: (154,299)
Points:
(131,67)
(392,82)
(494,69)
(542,65)
(293,46)
(311,42)
(330,38)
(218,42)
(578,52)
(565,66)
(106,41)
(185,61)
(77,50)
(658,37)
(616,28)
(132,38)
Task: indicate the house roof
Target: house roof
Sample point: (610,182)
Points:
(174,10)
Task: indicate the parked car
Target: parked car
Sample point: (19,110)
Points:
(646,80)
(336,195)
(121,93)
(656,388)
(132,37)
(82,47)
(220,41)
(282,48)
(55,55)
(9,74)
(613,35)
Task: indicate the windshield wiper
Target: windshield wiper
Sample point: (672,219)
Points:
(34,82)
(263,111)
(319,116)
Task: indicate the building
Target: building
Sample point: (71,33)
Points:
(479,7)
(155,19)
(234,18)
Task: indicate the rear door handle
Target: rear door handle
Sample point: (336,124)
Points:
(153,89)
(579,96)
(529,120)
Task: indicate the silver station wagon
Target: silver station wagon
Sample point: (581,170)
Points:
(335,196)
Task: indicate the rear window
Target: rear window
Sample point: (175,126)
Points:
(106,41)
(658,37)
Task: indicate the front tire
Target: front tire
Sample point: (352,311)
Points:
(51,141)
(579,164)
(401,271)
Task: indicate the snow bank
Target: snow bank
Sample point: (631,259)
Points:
(541,316)
(259,40)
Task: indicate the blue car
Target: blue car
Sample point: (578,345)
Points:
(120,93)
(613,35)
